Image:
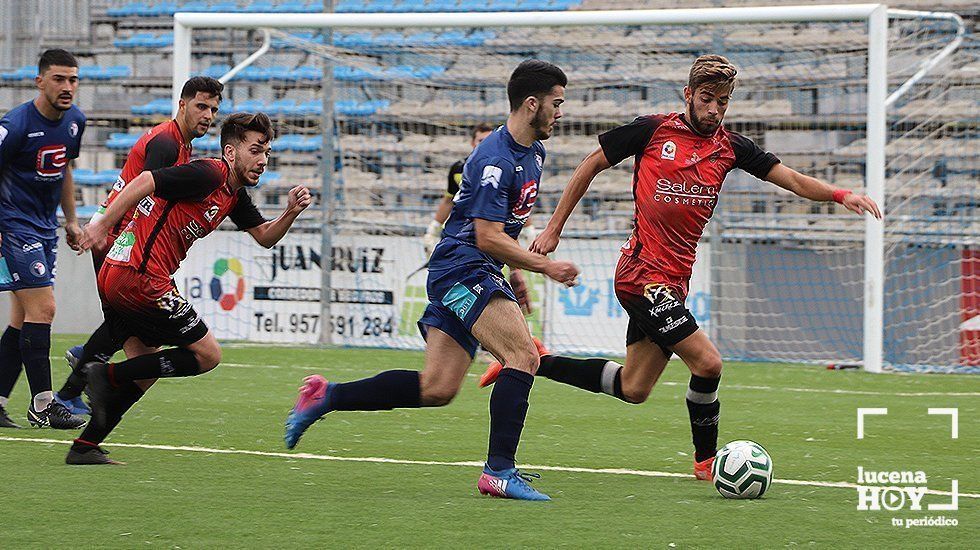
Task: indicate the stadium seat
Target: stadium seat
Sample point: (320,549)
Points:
(250,105)
(160,106)
(127,10)
(23,73)
(224,7)
(349,6)
(122,141)
(260,6)
(160,9)
(284,107)
(308,72)
(217,71)
(195,6)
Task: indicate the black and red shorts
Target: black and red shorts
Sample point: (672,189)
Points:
(654,303)
(155,313)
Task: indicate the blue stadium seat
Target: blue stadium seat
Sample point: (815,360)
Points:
(224,7)
(269,177)
(279,72)
(250,105)
(119,71)
(195,6)
(25,72)
(292,6)
(308,72)
(254,74)
(127,10)
(216,71)
(349,6)
(261,6)
(108,177)
(159,106)
(84,176)
(160,9)
(122,140)
(285,107)
(443,6)
(312,107)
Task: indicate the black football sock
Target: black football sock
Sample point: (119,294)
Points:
(703,408)
(594,375)
(35,348)
(508,409)
(10,362)
(388,390)
(171,363)
(101,346)
(118,402)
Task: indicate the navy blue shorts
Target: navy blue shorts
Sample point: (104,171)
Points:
(27,261)
(457,297)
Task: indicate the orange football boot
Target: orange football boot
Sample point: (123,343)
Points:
(702,470)
(493,370)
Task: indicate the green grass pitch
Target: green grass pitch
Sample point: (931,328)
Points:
(199,498)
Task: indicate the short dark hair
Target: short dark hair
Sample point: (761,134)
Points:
(206,84)
(481,128)
(56,56)
(533,77)
(234,128)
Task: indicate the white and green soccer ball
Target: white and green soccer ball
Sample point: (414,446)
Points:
(742,469)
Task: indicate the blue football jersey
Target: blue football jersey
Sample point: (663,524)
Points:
(500,184)
(34,152)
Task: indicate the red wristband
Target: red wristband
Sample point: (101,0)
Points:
(839,195)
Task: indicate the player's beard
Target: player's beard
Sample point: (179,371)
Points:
(540,124)
(54,102)
(700,126)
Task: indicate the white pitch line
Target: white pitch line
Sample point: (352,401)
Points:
(468,464)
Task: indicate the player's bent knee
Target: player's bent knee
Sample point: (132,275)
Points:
(208,358)
(709,367)
(438,396)
(635,395)
(526,360)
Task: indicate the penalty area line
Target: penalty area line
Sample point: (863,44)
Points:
(468,464)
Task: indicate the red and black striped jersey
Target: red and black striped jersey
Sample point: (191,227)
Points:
(677,176)
(161,147)
(189,201)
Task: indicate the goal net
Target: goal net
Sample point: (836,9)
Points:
(778,278)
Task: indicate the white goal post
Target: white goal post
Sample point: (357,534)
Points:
(876,16)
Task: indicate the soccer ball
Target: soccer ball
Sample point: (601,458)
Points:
(742,469)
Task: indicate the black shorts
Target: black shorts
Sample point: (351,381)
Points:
(659,315)
(167,319)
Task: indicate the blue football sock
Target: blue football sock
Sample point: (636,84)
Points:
(388,390)
(508,409)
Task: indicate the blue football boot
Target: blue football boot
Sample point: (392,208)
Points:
(311,405)
(509,484)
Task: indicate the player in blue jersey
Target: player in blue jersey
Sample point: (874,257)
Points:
(37,141)
(470,302)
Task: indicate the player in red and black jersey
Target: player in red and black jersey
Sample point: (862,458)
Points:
(175,207)
(166,144)
(680,163)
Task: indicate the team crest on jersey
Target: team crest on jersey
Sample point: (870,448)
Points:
(522,208)
(51,159)
(668,151)
(3,134)
(491,176)
(538,160)
(211,212)
(73,129)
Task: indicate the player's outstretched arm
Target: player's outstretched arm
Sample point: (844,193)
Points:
(72,231)
(816,190)
(547,241)
(491,239)
(271,232)
(136,190)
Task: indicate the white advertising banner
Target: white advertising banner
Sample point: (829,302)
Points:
(246,292)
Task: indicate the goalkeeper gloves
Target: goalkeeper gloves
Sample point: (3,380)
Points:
(432,236)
